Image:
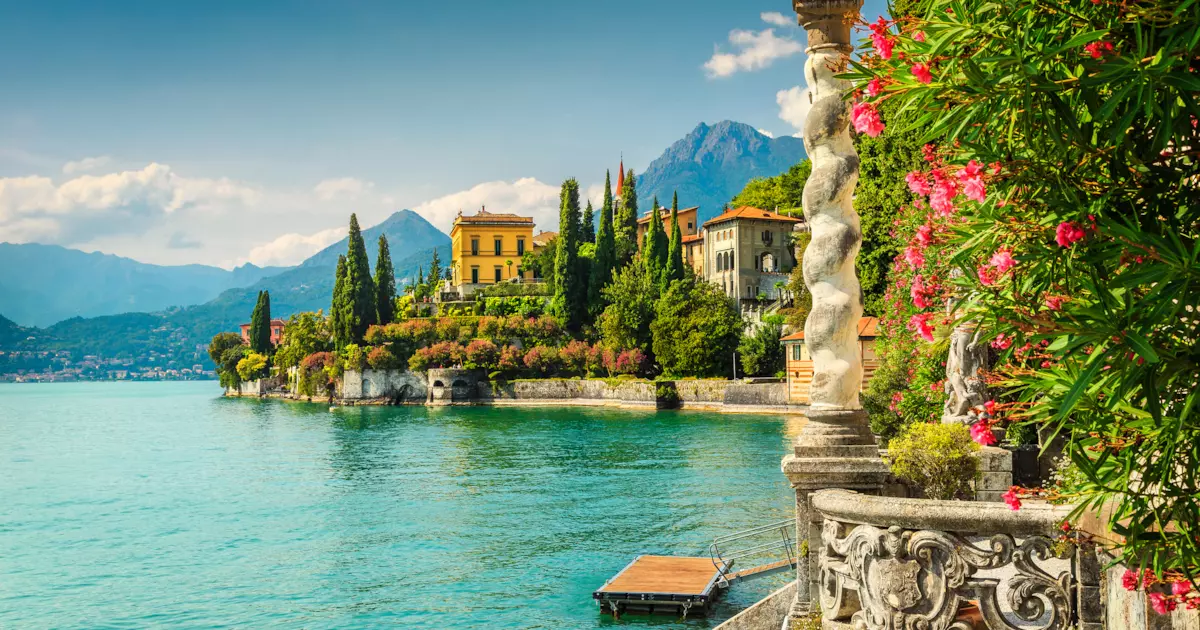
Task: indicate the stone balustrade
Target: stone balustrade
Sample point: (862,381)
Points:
(889,563)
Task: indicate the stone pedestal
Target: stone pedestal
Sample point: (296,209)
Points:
(836,449)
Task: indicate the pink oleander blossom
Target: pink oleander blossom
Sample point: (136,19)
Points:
(925,235)
(881,39)
(1012,498)
(986,274)
(874,87)
(919,292)
(1002,260)
(919,36)
(1161,604)
(919,324)
(918,183)
(944,191)
(1098,49)
(971,177)
(921,72)
(1002,342)
(1068,233)
(1181,587)
(1055,302)
(1130,580)
(914,257)
(866,119)
(982,434)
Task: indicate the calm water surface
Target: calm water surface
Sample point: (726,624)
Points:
(131,505)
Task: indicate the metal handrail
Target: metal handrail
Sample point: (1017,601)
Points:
(724,560)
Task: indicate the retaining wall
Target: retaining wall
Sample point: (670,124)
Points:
(394,385)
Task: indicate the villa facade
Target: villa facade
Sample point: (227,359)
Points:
(276,331)
(748,251)
(486,249)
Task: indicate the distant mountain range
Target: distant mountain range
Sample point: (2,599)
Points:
(712,163)
(113,307)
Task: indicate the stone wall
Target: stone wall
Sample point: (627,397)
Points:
(1130,610)
(394,385)
(995,474)
(707,394)
(570,391)
(766,614)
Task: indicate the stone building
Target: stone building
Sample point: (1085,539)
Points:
(688,223)
(800,365)
(748,251)
(486,248)
(276,331)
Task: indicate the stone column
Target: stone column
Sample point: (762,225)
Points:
(836,448)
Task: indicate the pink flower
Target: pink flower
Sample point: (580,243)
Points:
(918,292)
(925,235)
(1161,604)
(982,433)
(1055,303)
(1068,233)
(921,72)
(1182,587)
(914,257)
(1002,260)
(1002,342)
(1130,579)
(874,87)
(866,119)
(944,191)
(990,407)
(919,324)
(918,183)
(929,152)
(971,177)
(1097,49)
(987,276)
(880,38)
(1012,499)
(919,36)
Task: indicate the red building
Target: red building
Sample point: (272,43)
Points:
(276,331)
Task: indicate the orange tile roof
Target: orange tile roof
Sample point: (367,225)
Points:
(483,216)
(665,213)
(750,212)
(692,238)
(544,237)
(867,327)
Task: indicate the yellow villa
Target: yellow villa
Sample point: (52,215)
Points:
(486,248)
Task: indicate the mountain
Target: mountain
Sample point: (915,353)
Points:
(53,283)
(713,163)
(407,232)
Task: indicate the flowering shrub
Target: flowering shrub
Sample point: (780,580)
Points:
(481,354)
(316,373)
(442,354)
(511,359)
(1065,189)
(574,357)
(252,366)
(598,359)
(542,360)
(628,362)
(381,358)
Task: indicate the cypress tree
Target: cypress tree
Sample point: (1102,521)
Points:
(654,244)
(435,272)
(264,325)
(674,270)
(340,306)
(256,324)
(570,294)
(587,232)
(625,221)
(605,258)
(385,284)
(359,284)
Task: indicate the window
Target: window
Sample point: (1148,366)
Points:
(796,351)
(498,278)
(689,225)
(520,247)
(474,275)
(498,241)
(768,237)
(756,265)
(474,247)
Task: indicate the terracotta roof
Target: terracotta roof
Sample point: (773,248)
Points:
(750,212)
(692,238)
(664,213)
(483,216)
(867,327)
(544,237)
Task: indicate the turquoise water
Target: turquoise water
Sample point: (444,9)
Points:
(132,505)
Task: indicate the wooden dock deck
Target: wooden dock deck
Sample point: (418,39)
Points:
(660,584)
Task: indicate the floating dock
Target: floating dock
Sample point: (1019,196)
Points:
(652,584)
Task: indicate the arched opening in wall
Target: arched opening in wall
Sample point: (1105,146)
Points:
(460,390)
(438,384)
(401,395)
(768,263)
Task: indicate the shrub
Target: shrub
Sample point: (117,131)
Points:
(251,366)
(595,361)
(543,360)
(696,328)
(575,357)
(544,330)
(524,306)
(491,328)
(381,358)
(511,360)
(481,354)
(442,354)
(761,352)
(629,361)
(353,358)
(315,373)
(317,361)
(447,328)
(936,458)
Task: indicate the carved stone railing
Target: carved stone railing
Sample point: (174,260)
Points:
(914,564)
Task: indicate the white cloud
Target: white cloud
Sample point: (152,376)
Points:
(348,186)
(293,248)
(765,133)
(86,164)
(793,107)
(777,18)
(35,207)
(526,197)
(756,50)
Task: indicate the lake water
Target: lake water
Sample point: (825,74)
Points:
(133,505)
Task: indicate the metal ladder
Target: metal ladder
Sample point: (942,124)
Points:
(773,545)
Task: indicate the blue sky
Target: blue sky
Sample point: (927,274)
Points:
(141,128)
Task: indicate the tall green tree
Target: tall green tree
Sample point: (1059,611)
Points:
(695,330)
(263,343)
(654,245)
(625,220)
(255,333)
(587,232)
(606,255)
(674,266)
(570,294)
(359,283)
(435,273)
(385,284)
(625,322)
(341,307)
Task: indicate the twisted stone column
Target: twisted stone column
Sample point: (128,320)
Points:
(835,449)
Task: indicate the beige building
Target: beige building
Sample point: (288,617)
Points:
(747,251)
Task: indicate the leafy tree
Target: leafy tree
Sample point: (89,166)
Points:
(625,322)
(570,294)
(761,352)
(251,366)
(339,311)
(605,257)
(260,324)
(541,262)
(587,233)
(385,284)
(227,367)
(783,193)
(696,328)
(304,334)
(221,342)
(674,267)
(359,285)
(625,221)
